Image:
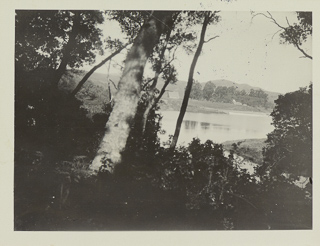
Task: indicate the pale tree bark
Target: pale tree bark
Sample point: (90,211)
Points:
(190,81)
(126,100)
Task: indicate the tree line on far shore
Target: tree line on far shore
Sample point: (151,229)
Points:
(225,94)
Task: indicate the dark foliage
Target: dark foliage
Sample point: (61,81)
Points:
(41,37)
(50,127)
(54,40)
(289,146)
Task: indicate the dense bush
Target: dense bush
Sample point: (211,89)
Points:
(50,128)
(289,146)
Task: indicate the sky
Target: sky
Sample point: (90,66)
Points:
(246,52)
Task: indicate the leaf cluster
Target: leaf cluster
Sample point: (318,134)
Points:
(289,146)
(130,21)
(42,35)
(295,34)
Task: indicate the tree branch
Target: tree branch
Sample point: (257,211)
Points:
(292,39)
(161,70)
(113,84)
(276,33)
(288,21)
(303,52)
(210,39)
(86,77)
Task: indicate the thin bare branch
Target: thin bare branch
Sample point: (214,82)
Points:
(276,33)
(303,52)
(86,77)
(288,21)
(214,13)
(113,84)
(211,39)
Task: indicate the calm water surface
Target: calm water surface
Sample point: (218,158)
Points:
(217,127)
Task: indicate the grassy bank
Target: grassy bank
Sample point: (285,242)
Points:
(249,149)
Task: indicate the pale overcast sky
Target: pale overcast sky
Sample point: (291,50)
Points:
(245,52)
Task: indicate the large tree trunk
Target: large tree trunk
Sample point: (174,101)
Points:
(87,76)
(127,97)
(190,81)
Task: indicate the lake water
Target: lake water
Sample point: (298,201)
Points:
(217,127)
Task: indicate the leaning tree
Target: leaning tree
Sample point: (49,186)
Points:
(208,18)
(126,100)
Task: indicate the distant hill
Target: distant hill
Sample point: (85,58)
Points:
(101,80)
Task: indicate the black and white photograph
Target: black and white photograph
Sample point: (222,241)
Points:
(163,120)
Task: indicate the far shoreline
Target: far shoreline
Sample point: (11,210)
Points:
(206,107)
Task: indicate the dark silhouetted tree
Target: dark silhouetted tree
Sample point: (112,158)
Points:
(208,18)
(289,146)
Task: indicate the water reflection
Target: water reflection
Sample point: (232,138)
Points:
(217,127)
(190,124)
(205,125)
(194,125)
(221,127)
